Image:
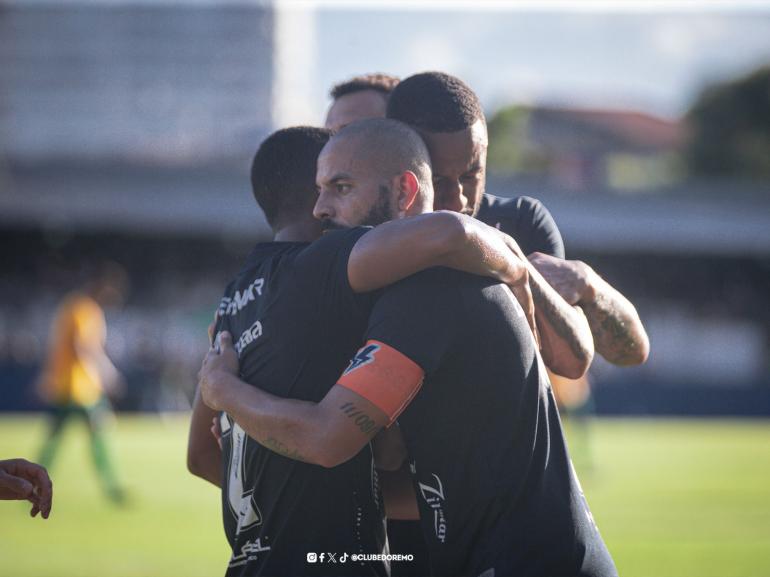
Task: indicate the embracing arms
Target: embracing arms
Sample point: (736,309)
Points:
(327,433)
(617,330)
(565,336)
(399,248)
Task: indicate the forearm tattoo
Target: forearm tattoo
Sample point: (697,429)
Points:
(364,422)
(561,324)
(612,330)
(282,449)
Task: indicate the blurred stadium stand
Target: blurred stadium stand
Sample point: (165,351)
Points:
(126,135)
(126,132)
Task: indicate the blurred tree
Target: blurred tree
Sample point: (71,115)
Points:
(510,149)
(730,129)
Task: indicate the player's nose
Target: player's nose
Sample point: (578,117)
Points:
(323,209)
(453,198)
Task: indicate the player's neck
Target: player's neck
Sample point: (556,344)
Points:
(298,232)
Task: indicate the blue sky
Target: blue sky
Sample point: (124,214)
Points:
(654,59)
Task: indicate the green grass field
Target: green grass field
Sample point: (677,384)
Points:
(672,498)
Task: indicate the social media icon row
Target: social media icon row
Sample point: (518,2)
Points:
(327,557)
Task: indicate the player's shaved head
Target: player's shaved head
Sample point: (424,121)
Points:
(389,147)
(283,173)
(372,171)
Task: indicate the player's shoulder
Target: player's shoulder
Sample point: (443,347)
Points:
(510,206)
(266,256)
(337,239)
(269,251)
(265,265)
(330,252)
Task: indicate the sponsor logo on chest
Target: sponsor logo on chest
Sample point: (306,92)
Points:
(231,305)
(248,337)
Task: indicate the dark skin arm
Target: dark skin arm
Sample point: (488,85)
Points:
(204,454)
(204,457)
(617,330)
(566,343)
(21,480)
(389,449)
(398,495)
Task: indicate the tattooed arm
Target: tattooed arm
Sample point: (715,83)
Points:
(326,433)
(564,334)
(617,330)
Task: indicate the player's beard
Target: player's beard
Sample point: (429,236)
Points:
(382,211)
(328,224)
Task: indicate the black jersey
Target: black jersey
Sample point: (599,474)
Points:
(494,482)
(526,220)
(295,322)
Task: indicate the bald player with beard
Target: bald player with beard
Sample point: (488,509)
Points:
(452,357)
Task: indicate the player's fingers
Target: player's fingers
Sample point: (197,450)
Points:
(210,354)
(214,427)
(39,475)
(45,496)
(216,431)
(19,488)
(225,341)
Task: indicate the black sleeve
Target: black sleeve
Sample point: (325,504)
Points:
(418,317)
(526,220)
(322,269)
(543,234)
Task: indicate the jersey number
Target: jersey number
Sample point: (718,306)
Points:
(242,506)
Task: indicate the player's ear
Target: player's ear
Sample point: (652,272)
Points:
(408,187)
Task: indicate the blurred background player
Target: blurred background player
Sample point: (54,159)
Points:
(78,375)
(364,96)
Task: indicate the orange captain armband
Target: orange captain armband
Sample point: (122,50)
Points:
(384,377)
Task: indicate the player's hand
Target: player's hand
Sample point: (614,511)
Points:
(21,480)
(570,278)
(212,328)
(216,430)
(221,360)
